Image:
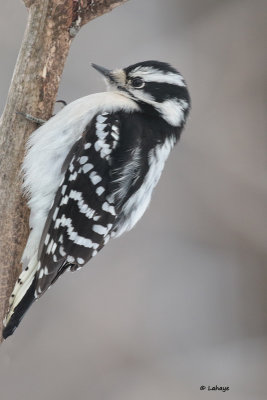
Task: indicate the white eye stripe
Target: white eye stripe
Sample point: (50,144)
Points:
(156,76)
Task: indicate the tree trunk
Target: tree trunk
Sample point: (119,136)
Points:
(52,24)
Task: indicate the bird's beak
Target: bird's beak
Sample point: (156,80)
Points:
(114,78)
(108,73)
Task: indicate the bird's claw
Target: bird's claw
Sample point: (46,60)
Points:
(62,102)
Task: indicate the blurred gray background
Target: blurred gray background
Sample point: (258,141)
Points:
(181,300)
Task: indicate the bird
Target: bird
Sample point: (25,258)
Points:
(90,170)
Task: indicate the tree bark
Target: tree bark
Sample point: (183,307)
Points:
(52,24)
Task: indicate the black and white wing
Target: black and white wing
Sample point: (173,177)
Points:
(82,214)
(109,175)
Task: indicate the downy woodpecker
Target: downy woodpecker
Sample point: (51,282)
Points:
(90,171)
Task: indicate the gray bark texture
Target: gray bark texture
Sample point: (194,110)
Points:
(51,27)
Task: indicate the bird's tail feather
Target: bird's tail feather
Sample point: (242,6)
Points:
(19,311)
(21,298)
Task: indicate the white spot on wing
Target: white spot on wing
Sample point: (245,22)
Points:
(62,251)
(101,230)
(101,118)
(115,129)
(107,207)
(98,145)
(48,250)
(47,239)
(83,159)
(100,190)
(63,189)
(64,200)
(71,167)
(83,207)
(87,167)
(74,236)
(106,239)
(55,213)
(95,179)
(73,176)
(100,133)
(115,135)
(53,249)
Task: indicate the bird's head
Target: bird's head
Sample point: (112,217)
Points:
(156,86)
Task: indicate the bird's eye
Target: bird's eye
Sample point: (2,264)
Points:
(137,83)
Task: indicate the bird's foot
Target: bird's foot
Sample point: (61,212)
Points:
(29,117)
(38,121)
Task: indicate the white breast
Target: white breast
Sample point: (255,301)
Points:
(137,204)
(48,147)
